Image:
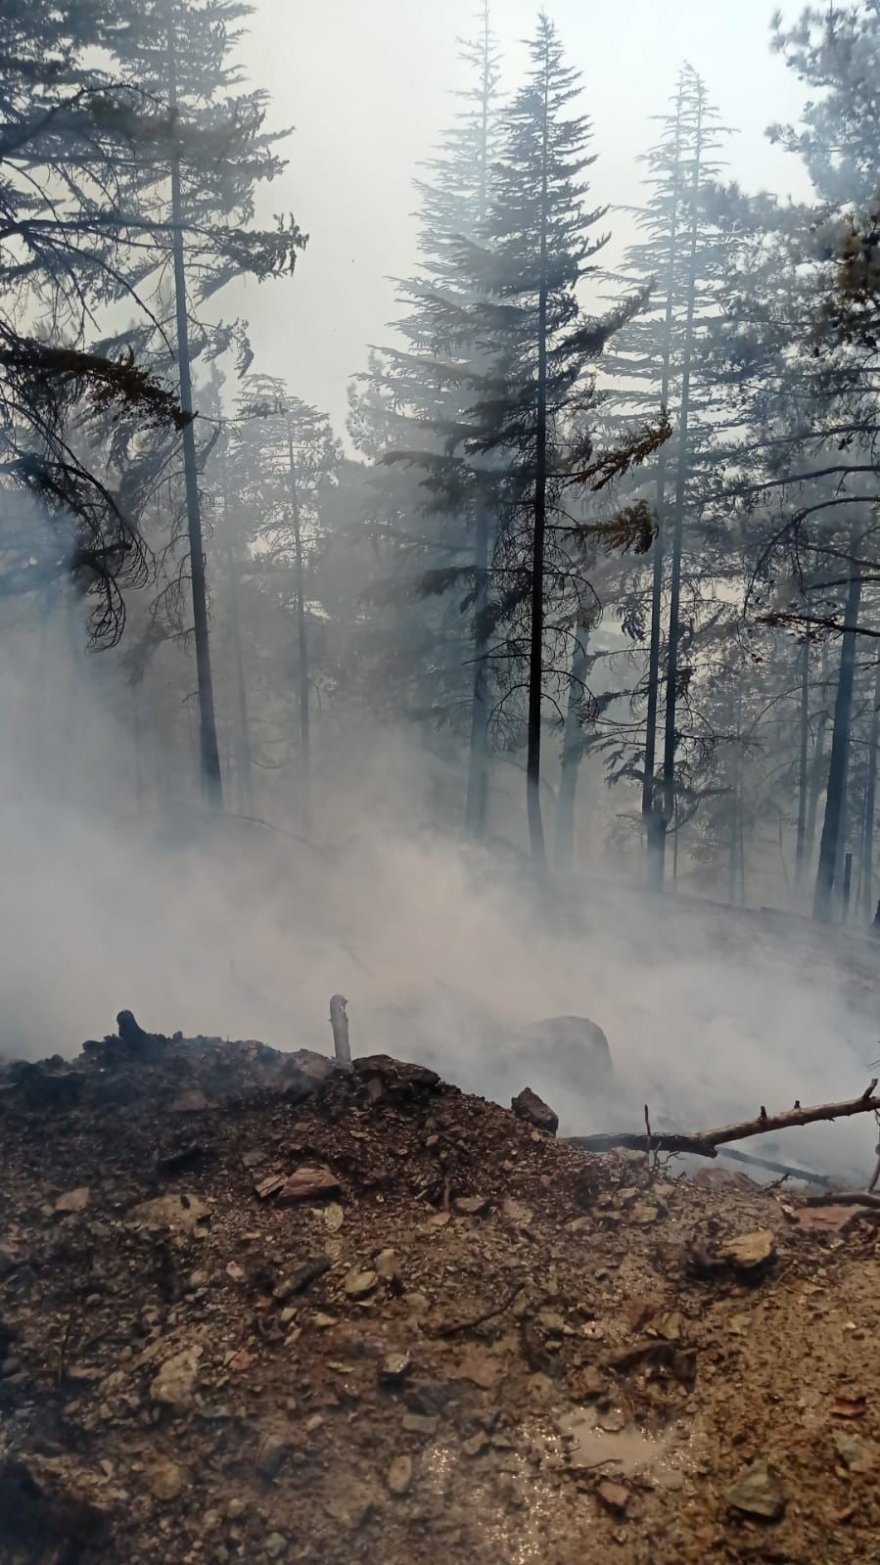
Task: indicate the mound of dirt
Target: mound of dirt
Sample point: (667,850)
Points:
(252,1309)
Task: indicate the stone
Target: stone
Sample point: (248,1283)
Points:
(166,1481)
(253,1159)
(570,1049)
(535,1111)
(359,1285)
(419,1424)
(351,1506)
(180,1212)
(334,1217)
(394,1369)
(613,1496)
(476,1445)
(471,1206)
(400,1475)
(194,1102)
(235,1509)
(276,1545)
(74,1200)
(174,1385)
(859,1456)
(480,1369)
(302,1278)
(308,1184)
(386,1265)
(758,1493)
(749,1252)
(519,1214)
(272,1455)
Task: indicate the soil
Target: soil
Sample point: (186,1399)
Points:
(252,1309)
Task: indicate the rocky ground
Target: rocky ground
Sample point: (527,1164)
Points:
(254,1310)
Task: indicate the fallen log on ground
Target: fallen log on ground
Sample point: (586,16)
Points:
(705,1143)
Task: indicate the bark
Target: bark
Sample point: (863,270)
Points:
(243,753)
(478,767)
(536,649)
(803,766)
(303,670)
(867,885)
(670,743)
(835,798)
(209,753)
(572,748)
(653,826)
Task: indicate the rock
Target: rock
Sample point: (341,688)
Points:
(272,1455)
(517,1213)
(860,1456)
(750,1252)
(302,1279)
(235,1272)
(758,1493)
(193,1102)
(570,1048)
(400,1475)
(253,1159)
(74,1200)
(351,1506)
(166,1481)
(670,1327)
(476,1445)
(174,1385)
(471,1206)
(480,1369)
(270,1186)
(535,1111)
(613,1496)
(334,1217)
(420,1424)
(235,1509)
(308,1184)
(394,1369)
(358,1284)
(180,1212)
(386,1265)
(276,1545)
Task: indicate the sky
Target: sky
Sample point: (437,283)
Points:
(366,86)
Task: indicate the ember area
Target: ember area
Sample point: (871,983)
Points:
(256,1308)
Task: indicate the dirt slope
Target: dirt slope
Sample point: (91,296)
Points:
(454,1339)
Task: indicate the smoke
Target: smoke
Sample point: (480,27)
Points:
(230,928)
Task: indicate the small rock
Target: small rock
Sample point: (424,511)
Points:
(670,1327)
(758,1493)
(394,1369)
(860,1456)
(235,1509)
(480,1370)
(535,1111)
(272,1455)
(351,1506)
(358,1284)
(386,1264)
(516,1212)
(613,1496)
(180,1212)
(193,1102)
(302,1279)
(553,1323)
(472,1205)
(476,1445)
(74,1200)
(334,1217)
(235,1272)
(749,1252)
(400,1475)
(253,1159)
(276,1545)
(174,1386)
(308,1184)
(166,1480)
(419,1424)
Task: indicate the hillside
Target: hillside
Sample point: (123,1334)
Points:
(252,1309)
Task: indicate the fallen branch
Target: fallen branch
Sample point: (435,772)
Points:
(480,1320)
(844,1198)
(772,1167)
(706,1143)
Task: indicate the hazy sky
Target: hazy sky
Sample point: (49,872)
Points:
(366,85)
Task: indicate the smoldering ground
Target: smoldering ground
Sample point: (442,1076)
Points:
(228,927)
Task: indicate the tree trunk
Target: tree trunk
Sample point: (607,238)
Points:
(650,814)
(304,679)
(536,649)
(478,768)
(803,766)
(243,754)
(572,748)
(835,799)
(867,869)
(670,735)
(209,753)
(817,769)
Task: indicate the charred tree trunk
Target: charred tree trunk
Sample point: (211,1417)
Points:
(803,766)
(572,748)
(835,799)
(817,769)
(867,866)
(303,670)
(478,767)
(670,744)
(539,522)
(650,815)
(243,754)
(209,753)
